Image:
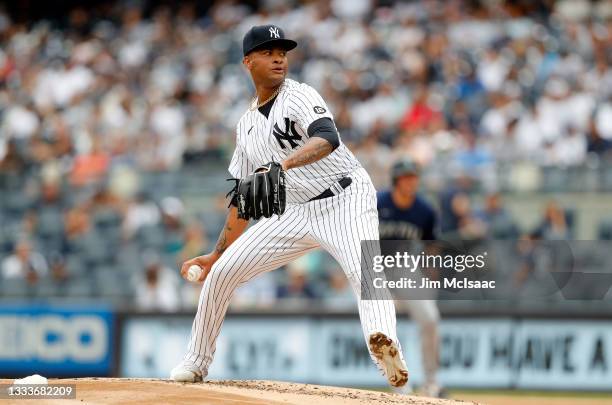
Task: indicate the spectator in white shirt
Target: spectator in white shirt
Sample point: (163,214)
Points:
(24,263)
(157,288)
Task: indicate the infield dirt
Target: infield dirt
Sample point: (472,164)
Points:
(154,391)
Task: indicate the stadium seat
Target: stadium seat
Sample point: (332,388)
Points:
(49,245)
(107,223)
(16,203)
(76,265)
(554,179)
(81,287)
(50,222)
(150,236)
(112,285)
(94,249)
(6,240)
(580,179)
(129,256)
(46,288)
(160,184)
(169,260)
(606,178)
(14,288)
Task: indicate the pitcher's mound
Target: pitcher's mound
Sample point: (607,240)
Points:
(224,392)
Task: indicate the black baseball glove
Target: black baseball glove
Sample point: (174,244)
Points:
(260,194)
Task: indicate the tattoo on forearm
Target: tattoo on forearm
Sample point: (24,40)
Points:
(313,150)
(221,245)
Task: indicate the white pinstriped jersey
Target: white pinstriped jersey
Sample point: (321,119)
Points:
(260,140)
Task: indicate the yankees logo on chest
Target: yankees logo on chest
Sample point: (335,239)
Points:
(279,136)
(287,137)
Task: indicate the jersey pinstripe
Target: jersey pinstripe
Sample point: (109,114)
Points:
(260,140)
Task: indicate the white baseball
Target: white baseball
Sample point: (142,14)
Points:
(194,273)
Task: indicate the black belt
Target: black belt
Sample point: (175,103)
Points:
(335,189)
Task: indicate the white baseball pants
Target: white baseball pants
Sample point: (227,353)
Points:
(338,224)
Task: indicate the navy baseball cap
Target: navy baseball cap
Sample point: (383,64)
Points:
(261,35)
(404,167)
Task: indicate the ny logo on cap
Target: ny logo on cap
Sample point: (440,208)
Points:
(274,32)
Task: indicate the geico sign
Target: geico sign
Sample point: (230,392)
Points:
(80,338)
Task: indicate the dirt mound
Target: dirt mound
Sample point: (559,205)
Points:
(152,391)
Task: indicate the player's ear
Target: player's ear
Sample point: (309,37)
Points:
(247,62)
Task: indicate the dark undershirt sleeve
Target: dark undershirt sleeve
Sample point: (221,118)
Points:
(324,128)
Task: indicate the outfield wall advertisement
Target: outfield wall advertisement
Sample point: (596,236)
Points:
(495,353)
(478,353)
(56,341)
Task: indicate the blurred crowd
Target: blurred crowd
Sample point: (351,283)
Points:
(100,112)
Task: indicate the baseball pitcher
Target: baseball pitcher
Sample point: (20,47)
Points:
(294,174)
